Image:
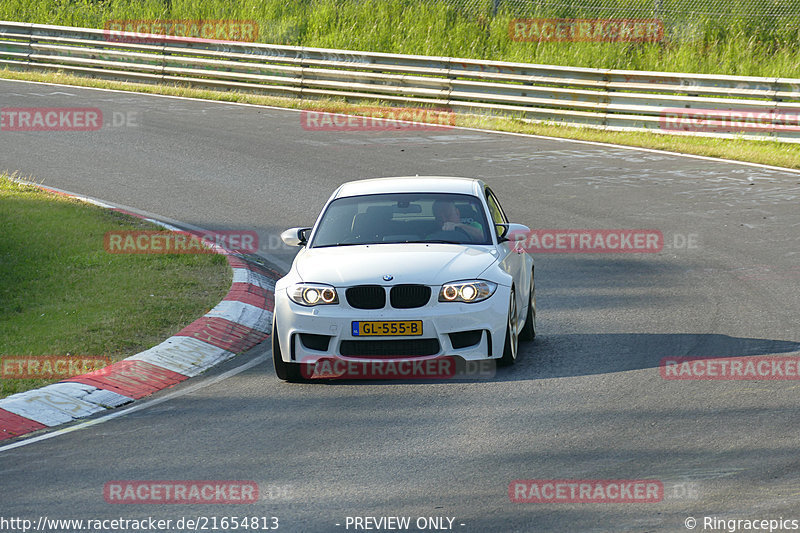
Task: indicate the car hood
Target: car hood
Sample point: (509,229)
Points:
(427,264)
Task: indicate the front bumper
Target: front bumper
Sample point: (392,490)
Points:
(307,334)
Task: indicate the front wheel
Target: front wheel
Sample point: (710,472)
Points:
(512,340)
(285,371)
(528,332)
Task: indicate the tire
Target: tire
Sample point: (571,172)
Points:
(511,345)
(528,332)
(285,371)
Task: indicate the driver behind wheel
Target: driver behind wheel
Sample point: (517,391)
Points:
(449,217)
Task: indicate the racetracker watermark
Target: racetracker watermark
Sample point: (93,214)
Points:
(179,242)
(586,30)
(762,367)
(379,119)
(181,492)
(163,31)
(50,366)
(592,241)
(50,119)
(446,367)
(586,491)
(730,120)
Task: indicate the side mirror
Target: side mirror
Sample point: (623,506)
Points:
(295,236)
(513,232)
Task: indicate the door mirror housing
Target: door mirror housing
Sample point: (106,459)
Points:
(513,232)
(295,236)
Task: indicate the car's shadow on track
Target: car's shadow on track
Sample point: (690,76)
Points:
(599,283)
(566,355)
(569,355)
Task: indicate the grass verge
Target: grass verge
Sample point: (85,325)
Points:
(62,293)
(785,155)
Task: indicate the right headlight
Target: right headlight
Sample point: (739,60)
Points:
(311,294)
(470,291)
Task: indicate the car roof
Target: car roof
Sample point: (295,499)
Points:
(444,184)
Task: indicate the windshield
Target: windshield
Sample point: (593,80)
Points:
(403,217)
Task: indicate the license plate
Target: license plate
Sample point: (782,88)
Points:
(393,328)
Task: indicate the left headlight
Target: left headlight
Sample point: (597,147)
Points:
(311,294)
(467,291)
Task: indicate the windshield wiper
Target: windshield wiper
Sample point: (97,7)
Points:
(345,244)
(430,241)
(435,241)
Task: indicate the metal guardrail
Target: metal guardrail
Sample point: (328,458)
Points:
(693,104)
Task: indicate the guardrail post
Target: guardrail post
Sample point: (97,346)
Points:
(450,75)
(164,60)
(29,48)
(31,39)
(302,55)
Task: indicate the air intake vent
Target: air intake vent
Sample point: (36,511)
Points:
(464,339)
(390,348)
(315,342)
(366,297)
(409,296)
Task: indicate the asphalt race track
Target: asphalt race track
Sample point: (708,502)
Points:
(587,401)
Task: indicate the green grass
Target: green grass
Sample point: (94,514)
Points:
(731,45)
(62,293)
(765,152)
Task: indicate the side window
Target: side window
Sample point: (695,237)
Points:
(498,216)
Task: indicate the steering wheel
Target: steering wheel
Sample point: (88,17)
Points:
(463,232)
(448,235)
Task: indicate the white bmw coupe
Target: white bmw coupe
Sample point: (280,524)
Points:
(405,268)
